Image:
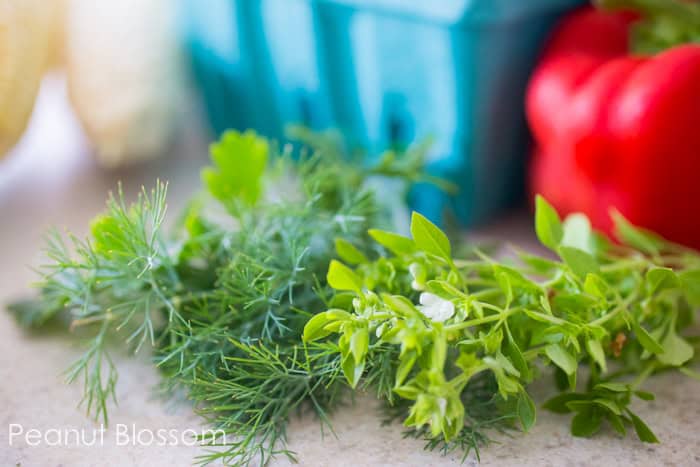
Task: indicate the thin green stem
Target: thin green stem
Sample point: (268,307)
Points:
(619,309)
(646,372)
(479,321)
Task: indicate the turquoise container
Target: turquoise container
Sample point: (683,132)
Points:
(257,65)
(385,72)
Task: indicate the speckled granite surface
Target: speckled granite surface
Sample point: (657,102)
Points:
(67,190)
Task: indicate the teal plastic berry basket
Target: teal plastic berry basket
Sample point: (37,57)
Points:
(385,72)
(256,63)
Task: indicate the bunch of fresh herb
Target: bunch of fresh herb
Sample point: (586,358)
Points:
(224,300)
(449,344)
(619,309)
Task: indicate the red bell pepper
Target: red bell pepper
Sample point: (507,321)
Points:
(616,129)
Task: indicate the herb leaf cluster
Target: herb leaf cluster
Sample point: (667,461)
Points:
(223,299)
(619,309)
(283,287)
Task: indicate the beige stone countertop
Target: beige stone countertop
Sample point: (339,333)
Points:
(50,179)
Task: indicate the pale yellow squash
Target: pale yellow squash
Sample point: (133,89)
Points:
(24,45)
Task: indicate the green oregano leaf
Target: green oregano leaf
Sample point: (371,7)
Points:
(643,431)
(341,277)
(405,367)
(429,237)
(617,423)
(507,365)
(644,395)
(547,224)
(527,413)
(649,343)
(513,352)
(397,244)
(559,403)
(608,405)
(691,286)
(401,305)
(561,358)
(612,386)
(349,252)
(314,328)
(537,263)
(595,350)
(580,262)
(635,237)
(595,285)
(659,279)
(352,370)
(586,422)
(676,351)
(408,391)
(359,344)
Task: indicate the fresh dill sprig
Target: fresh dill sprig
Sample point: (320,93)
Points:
(120,280)
(252,400)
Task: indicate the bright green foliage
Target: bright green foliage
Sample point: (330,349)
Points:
(606,401)
(240,160)
(121,280)
(429,238)
(224,300)
(341,277)
(547,224)
(278,292)
(349,252)
(453,321)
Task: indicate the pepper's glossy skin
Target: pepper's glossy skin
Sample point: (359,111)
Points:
(617,130)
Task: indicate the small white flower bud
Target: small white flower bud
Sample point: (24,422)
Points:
(436,308)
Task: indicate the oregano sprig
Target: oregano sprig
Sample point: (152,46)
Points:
(619,308)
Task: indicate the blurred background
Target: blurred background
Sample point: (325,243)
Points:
(97,91)
(123,80)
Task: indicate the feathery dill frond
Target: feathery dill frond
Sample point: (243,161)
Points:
(121,279)
(224,301)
